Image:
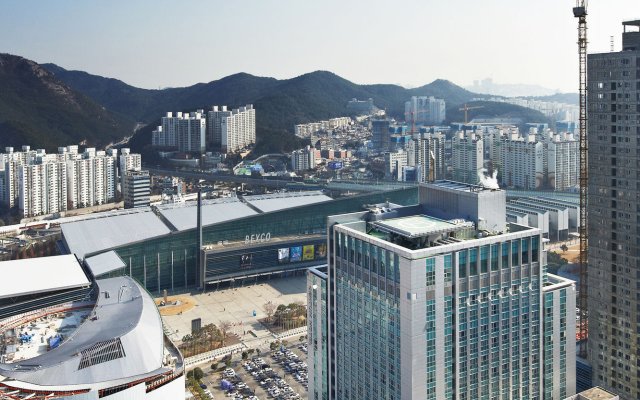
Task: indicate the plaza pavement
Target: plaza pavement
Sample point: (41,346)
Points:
(236,305)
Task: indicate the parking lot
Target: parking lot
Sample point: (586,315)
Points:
(281,375)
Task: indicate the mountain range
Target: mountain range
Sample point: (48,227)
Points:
(49,106)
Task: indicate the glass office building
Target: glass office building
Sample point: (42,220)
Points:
(441,300)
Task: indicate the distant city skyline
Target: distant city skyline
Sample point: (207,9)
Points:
(154,44)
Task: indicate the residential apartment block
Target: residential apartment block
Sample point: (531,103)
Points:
(614,238)
(425,110)
(467,157)
(239,129)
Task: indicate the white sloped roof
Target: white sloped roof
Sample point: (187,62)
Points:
(104,263)
(38,275)
(93,235)
(280,201)
(184,216)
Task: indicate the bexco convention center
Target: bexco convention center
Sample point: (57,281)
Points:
(65,334)
(242,238)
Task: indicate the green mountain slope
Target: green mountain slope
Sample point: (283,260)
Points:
(39,110)
(280,104)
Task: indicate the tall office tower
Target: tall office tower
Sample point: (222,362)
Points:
(426,153)
(238,129)
(394,161)
(43,188)
(467,157)
(303,159)
(380,134)
(137,189)
(614,187)
(128,162)
(424,110)
(563,161)
(522,162)
(440,300)
(191,132)
(214,126)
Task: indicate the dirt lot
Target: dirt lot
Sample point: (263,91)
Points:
(185,303)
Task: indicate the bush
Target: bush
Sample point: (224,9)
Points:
(245,355)
(190,374)
(198,373)
(214,366)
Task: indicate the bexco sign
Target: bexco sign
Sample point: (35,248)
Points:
(257,238)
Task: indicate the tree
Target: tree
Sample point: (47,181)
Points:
(214,366)
(273,345)
(564,248)
(269,309)
(251,351)
(224,328)
(245,355)
(198,373)
(190,374)
(227,362)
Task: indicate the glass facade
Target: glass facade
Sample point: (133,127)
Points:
(317,334)
(368,345)
(169,262)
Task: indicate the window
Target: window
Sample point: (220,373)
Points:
(462,264)
(484,259)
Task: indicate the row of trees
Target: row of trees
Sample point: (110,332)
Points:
(209,337)
(286,317)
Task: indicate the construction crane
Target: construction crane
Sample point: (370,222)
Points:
(466,109)
(580,12)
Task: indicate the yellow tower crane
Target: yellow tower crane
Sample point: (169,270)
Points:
(466,109)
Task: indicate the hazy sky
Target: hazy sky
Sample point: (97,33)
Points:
(158,43)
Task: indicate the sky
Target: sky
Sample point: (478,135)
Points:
(160,43)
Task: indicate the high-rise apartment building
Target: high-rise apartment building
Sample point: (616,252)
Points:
(128,162)
(563,162)
(185,131)
(440,300)
(214,126)
(522,162)
(303,159)
(467,157)
(614,238)
(43,188)
(191,133)
(91,179)
(238,129)
(137,189)
(426,153)
(426,110)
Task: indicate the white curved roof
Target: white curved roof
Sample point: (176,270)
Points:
(122,338)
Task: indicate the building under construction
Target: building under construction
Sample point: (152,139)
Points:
(614,237)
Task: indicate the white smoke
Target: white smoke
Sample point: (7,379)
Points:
(488,181)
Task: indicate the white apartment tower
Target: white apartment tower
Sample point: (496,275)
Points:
(43,188)
(467,157)
(91,180)
(563,162)
(191,133)
(523,162)
(239,129)
(425,110)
